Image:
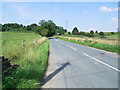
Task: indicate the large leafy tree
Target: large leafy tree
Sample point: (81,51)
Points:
(49,25)
(75,31)
(44,32)
(60,30)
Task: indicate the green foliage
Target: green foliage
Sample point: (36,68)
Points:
(44,32)
(75,31)
(82,33)
(101,34)
(112,33)
(69,33)
(60,30)
(91,32)
(49,27)
(96,32)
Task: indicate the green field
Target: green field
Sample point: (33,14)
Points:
(32,59)
(14,36)
(115,36)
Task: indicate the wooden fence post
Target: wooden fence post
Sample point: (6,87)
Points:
(23,43)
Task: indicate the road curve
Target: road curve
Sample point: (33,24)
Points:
(78,66)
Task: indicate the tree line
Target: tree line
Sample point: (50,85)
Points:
(47,28)
(92,33)
(44,28)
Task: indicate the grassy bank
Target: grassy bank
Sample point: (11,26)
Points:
(32,56)
(107,47)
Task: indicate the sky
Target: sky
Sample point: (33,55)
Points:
(86,16)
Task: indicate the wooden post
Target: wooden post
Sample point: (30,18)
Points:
(23,43)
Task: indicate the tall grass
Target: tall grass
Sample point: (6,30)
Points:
(32,59)
(107,47)
(98,40)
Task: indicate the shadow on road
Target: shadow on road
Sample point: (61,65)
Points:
(54,73)
(51,38)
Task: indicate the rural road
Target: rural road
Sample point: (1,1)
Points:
(78,66)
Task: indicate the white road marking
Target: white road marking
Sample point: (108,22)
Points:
(61,43)
(71,47)
(102,62)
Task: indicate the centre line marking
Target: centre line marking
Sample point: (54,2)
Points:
(102,62)
(71,47)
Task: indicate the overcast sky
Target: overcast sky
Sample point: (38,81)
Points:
(101,16)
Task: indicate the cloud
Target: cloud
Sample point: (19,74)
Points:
(114,19)
(85,12)
(107,9)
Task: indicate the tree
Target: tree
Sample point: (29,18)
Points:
(45,28)
(28,28)
(101,34)
(69,33)
(60,30)
(11,26)
(65,30)
(91,32)
(96,32)
(112,33)
(44,32)
(75,31)
(50,25)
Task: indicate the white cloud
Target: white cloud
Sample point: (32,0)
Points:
(107,9)
(114,19)
(85,12)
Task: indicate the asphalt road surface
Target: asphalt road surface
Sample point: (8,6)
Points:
(78,66)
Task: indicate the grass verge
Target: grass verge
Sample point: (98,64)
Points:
(32,59)
(110,48)
(31,70)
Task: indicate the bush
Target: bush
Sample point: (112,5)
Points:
(112,33)
(69,33)
(102,34)
(89,35)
